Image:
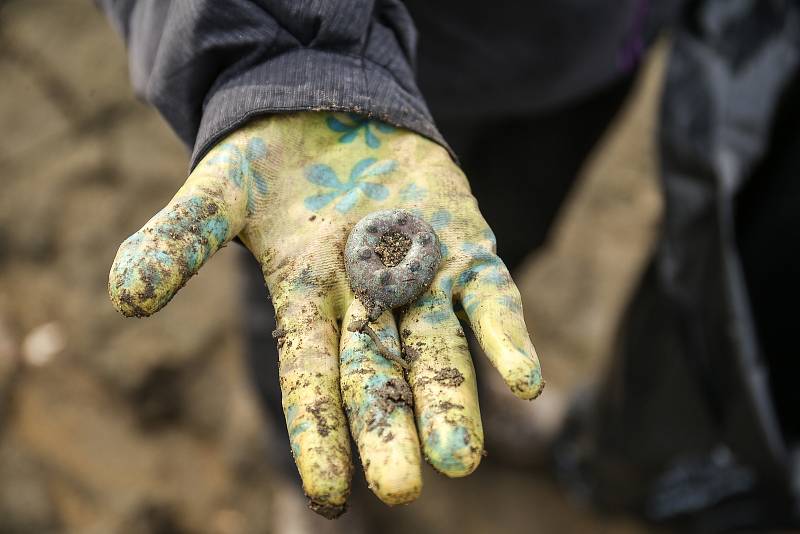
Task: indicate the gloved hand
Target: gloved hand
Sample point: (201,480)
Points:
(291,187)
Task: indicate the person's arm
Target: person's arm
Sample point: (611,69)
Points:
(210,66)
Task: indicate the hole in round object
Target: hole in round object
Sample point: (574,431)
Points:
(392,248)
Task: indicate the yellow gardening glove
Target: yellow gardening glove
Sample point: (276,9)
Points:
(291,187)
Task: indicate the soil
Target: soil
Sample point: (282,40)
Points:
(392,248)
(410,353)
(279,335)
(392,394)
(444,406)
(316,409)
(449,377)
(325,510)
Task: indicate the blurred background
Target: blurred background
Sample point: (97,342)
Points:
(110,425)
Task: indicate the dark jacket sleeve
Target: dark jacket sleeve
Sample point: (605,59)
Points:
(209,66)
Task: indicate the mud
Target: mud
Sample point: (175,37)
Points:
(326,510)
(395,391)
(410,353)
(279,335)
(449,376)
(373,307)
(446,406)
(391,395)
(317,410)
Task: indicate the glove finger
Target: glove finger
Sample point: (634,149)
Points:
(308,338)
(493,306)
(378,403)
(443,381)
(155,262)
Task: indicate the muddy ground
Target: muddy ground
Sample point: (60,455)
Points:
(110,425)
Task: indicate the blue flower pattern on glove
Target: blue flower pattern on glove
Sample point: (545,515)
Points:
(435,313)
(438,221)
(349,191)
(490,268)
(240,167)
(413,193)
(350,130)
